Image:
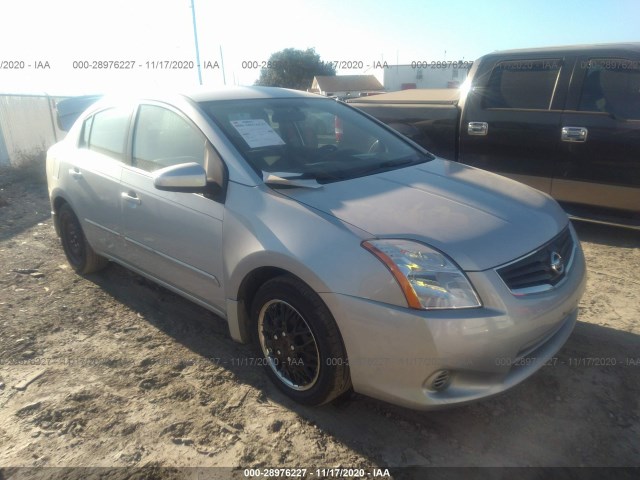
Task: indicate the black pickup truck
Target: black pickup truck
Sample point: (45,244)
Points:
(565,120)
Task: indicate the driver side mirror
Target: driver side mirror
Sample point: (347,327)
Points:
(210,180)
(184,177)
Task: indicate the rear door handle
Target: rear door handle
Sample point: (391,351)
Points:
(75,173)
(130,197)
(477,128)
(574,134)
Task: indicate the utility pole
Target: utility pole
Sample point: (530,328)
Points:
(195,36)
(224,76)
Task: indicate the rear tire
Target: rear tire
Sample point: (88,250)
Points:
(299,342)
(79,253)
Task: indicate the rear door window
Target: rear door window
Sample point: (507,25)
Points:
(109,132)
(612,85)
(522,84)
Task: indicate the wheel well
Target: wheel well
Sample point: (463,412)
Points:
(254,280)
(57,204)
(247,291)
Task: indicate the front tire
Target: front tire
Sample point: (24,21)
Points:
(79,253)
(299,341)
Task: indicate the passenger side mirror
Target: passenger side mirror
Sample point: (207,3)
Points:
(185,177)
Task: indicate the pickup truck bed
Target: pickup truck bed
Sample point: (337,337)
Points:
(429,117)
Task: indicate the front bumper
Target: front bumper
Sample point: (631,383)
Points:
(394,352)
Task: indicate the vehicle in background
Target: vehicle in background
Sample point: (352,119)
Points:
(565,120)
(69,109)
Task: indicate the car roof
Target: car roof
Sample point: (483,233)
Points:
(204,94)
(200,94)
(69,110)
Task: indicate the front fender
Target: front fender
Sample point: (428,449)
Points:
(263,228)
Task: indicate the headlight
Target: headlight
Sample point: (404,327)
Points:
(429,280)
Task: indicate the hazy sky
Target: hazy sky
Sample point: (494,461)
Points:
(137,33)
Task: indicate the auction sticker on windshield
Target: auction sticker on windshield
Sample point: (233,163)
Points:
(257,133)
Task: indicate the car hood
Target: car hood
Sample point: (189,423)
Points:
(481,220)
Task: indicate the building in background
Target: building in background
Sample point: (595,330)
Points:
(425,75)
(346,86)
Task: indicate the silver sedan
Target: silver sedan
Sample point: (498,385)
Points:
(351,257)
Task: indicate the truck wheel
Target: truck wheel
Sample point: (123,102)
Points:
(299,341)
(78,251)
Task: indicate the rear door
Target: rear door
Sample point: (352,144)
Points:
(93,177)
(600,148)
(173,237)
(511,117)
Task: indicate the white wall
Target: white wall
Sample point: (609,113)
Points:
(27,126)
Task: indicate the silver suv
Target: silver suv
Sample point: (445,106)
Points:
(351,258)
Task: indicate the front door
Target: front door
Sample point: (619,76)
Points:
(174,237)
(511,120)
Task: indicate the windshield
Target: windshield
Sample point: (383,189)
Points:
(311,138)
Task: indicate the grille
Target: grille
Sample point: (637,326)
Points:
(542,269)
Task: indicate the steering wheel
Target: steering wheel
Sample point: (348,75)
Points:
(329,148)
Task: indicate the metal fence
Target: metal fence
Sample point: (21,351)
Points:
(27,127)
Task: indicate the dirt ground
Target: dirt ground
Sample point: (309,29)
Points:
(111,370)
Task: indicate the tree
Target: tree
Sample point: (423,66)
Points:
(291,68)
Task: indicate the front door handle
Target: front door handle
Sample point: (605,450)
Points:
(477,128)
(130,197)
(574,134)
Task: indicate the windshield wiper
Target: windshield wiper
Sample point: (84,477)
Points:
(287,179)
(379,167)
(395,163)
